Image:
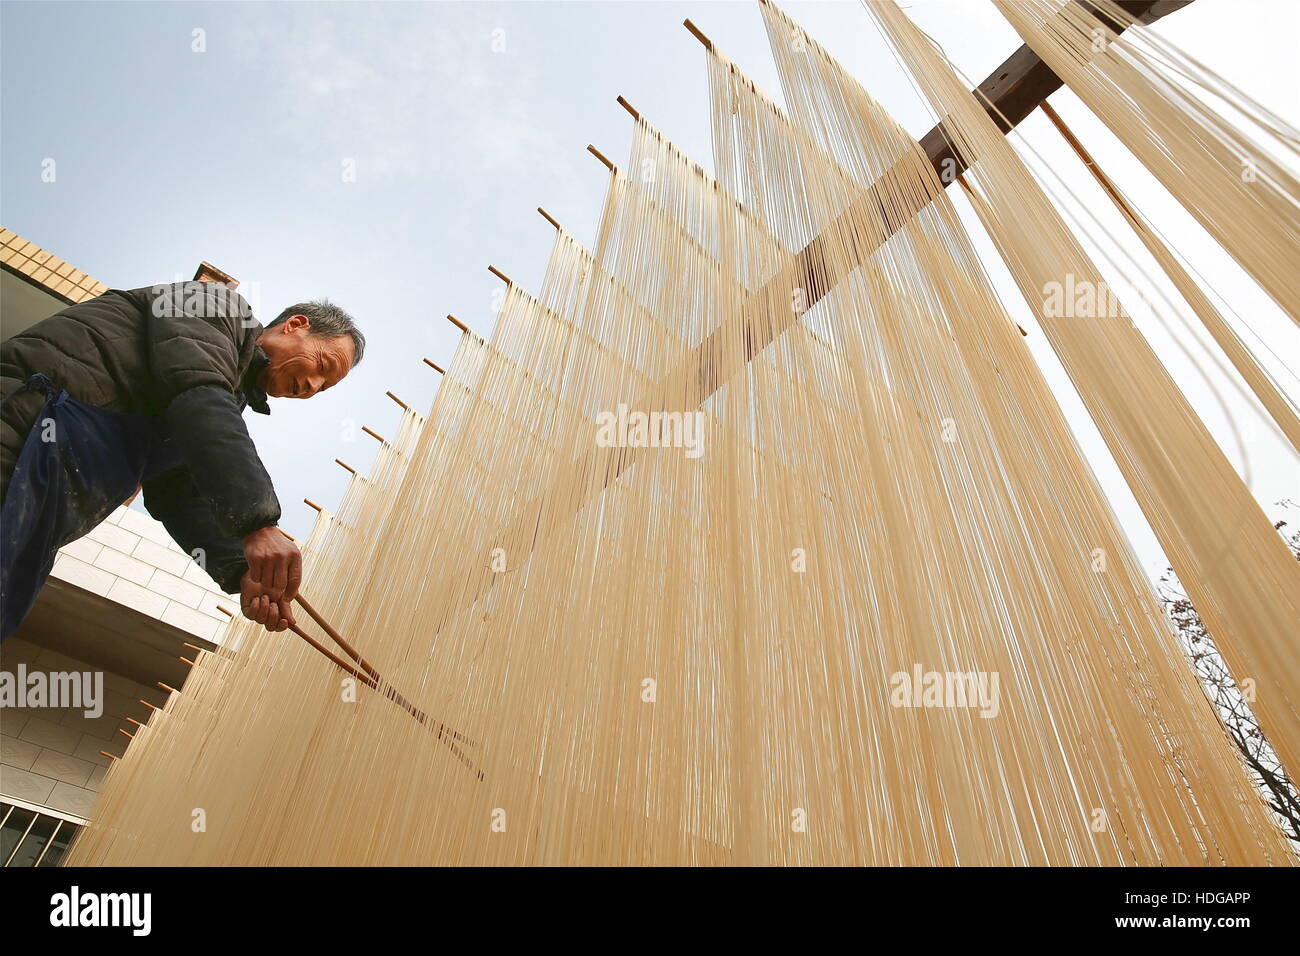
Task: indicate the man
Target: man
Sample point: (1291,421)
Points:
(145,389)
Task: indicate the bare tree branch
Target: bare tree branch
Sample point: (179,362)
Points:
(1230,704)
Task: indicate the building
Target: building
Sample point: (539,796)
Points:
(125,602)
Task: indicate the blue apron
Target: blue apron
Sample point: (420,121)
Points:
(78,464)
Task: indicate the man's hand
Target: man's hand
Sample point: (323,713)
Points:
(259,606)
(274,572)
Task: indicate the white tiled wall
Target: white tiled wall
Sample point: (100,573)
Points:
(51,757)
(131,559)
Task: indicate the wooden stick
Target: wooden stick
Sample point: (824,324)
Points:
(336,636)
(601,156)
(500,275)
(352,653)
(312,504)
(170,690)
(695,32)
(340,662)
(375,435)
(547,216)
(108,755)
(628,106)
(389,690)
(323,649)
(340,461)
(372,679)
(436,367)
(1086,158)
(405,407)
(462,326)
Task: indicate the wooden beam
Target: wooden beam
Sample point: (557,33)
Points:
(1015,88)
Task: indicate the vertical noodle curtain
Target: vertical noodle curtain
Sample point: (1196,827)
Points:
(1241,577)
(662,657)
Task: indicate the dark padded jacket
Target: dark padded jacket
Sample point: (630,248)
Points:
(186,352)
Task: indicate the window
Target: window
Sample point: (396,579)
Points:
(31,837)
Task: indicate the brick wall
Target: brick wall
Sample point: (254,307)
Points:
(49,270)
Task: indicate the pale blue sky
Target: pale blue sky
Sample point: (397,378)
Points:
(166,156)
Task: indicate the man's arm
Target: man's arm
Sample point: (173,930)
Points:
(197,331)
(173,499)
(196,335)
(208,430)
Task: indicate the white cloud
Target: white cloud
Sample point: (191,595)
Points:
(393,92)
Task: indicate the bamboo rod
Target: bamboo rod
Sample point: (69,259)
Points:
(389,690)
(374,434)
(500,275)
(695,32)
(601,156)
(628,106)
(344,464)
(548,217)
(372,679)
(436,367)
(323,649)
(336,636)
(405,407)
(312,504)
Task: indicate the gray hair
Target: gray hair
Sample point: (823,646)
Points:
(328,321)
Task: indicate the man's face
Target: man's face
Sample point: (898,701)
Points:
(302,364)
